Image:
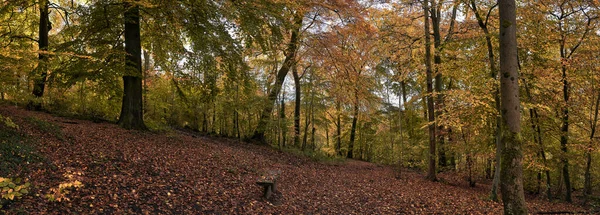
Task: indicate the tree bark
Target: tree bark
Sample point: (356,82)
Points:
(131,116)
(431,173)
(298,97)
(44,28)
(145,71)
(535,125)
(564,136)
(511,176)
(587,185)
(437,60)
(284,123)
(259,133)
(338,144)
(354,122)
(494,74)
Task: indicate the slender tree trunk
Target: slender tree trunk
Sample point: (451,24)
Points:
(306,124)
(312,115)
(400,131)
(214,117)
(297,106)
(338,143)
(327,134)
(511,176)
(437,59)
(564,136)
(587,185)
(535,125)
(354,123)
(237,113)
(44,28)
(259,133)
(145,72)
(431,173)
(282,116)
(494,74)
(403,86)
(131,111)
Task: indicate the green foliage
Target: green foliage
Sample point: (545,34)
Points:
(47,127)
(12,189)
(15,150)
(318,156)
(8,122)
(59,193)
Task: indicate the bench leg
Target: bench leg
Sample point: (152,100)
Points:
(274,186)
(267,192)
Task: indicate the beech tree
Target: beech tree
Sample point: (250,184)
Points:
(44,27)
(288,63)
(431,172)
(512,155)
(131,110)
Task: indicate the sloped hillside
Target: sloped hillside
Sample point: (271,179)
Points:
(98,168)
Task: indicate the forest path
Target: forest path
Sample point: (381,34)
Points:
(126,171)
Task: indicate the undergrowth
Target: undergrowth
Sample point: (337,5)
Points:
(47,127)
(15,150)
(317,156)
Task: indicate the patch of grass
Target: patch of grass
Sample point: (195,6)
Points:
(15,151)
(47,127)
(317,156)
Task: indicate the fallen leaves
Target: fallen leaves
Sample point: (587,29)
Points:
(108,170)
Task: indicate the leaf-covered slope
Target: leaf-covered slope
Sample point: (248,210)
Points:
(125,171)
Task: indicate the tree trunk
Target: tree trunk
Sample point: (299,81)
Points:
(511,176)
(259,133)
(353,128)
(131,110)
(327,134)
(312,116)
(44,28)
(535,125)
(145,72)
(237,113)
(339,128)
(306,124)
(494,74)
(587,185)
(564,136)
(431,173)
(437,60)
(282,116)
(297,106)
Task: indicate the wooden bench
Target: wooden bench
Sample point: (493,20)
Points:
(268,180)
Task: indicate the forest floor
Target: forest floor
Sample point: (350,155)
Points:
(109,170)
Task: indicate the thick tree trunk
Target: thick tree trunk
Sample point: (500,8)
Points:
(44,28)
(511,176)
(259,133)
(431,173)
(131,110)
